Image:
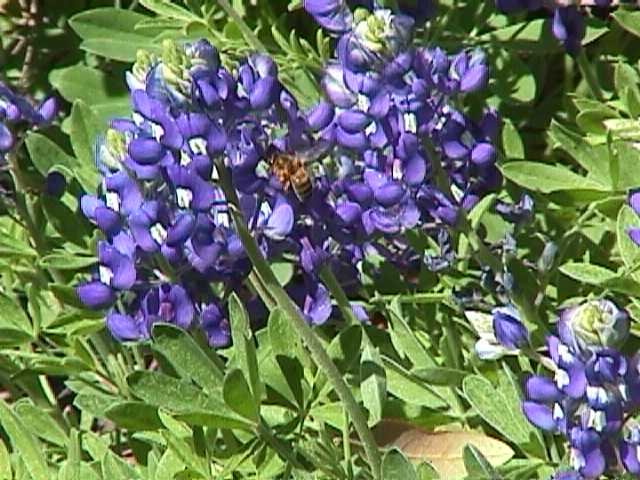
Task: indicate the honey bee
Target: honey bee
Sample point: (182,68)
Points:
(292,169)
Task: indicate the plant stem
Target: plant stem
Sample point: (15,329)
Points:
(318,353)
(331,282)
(249,36)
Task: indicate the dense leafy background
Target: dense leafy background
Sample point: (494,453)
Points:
(78,405)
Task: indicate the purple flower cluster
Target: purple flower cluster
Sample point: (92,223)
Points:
(593,392)
(17,111)
(170,252)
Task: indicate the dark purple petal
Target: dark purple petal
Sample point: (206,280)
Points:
(107,220)
(389,194)
(182,306)
(634,201)
(120,265)
(181,229)
(264,93)
(48,110)
(96,295)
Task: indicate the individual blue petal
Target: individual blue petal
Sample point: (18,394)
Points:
(120,265)
(181,229)
(264,93)
(539,414)
(146,151)
(360,192)
(96,295)
(353,121)
(356,141)
(415,170)
(474,78)
(48,110)
(107,220)
(509,330)
(280,222)
(634,234)
(123,327)
(542,389)
(389,194)
(629,456)
(483,154)
(6,139)
(317,306)
(320,116)
(216,326)
(349,212)
(182,307)
(455,149)
(55,184)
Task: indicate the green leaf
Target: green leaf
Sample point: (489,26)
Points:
(238,397)
(373,382)
(46,154)
(39,423)
(440,375)
(166,8)
(84,130)
(404,340)
(496,409)
(105,92)
(187,357)
(283,272)
(114,467)
(66,261)
(29,449)
(514,81)
(134,416)
(404,386)
(630,21)
(395,466)
(587,273)
(528,36)
(244,347)
(5,463)
(12,316)
(477,466)
(511,141)
(629,251)
(282,337)
(547,178)
(65,221)
(110,32)
(580,151)
(181,397)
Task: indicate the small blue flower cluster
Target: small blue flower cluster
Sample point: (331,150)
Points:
(568,22)
(17,111)
(170,251)
(594,391)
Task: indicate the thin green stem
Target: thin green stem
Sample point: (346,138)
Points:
(249,36)
(331,282)
(589,75)
(318,353)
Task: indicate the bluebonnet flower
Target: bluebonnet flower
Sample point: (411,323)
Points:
(509,329)
(17,112)
(593,392)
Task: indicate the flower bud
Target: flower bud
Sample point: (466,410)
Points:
(509,330)
(594,325)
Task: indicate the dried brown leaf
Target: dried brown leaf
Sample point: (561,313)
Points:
(443,450)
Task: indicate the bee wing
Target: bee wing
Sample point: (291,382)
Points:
(316,152)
